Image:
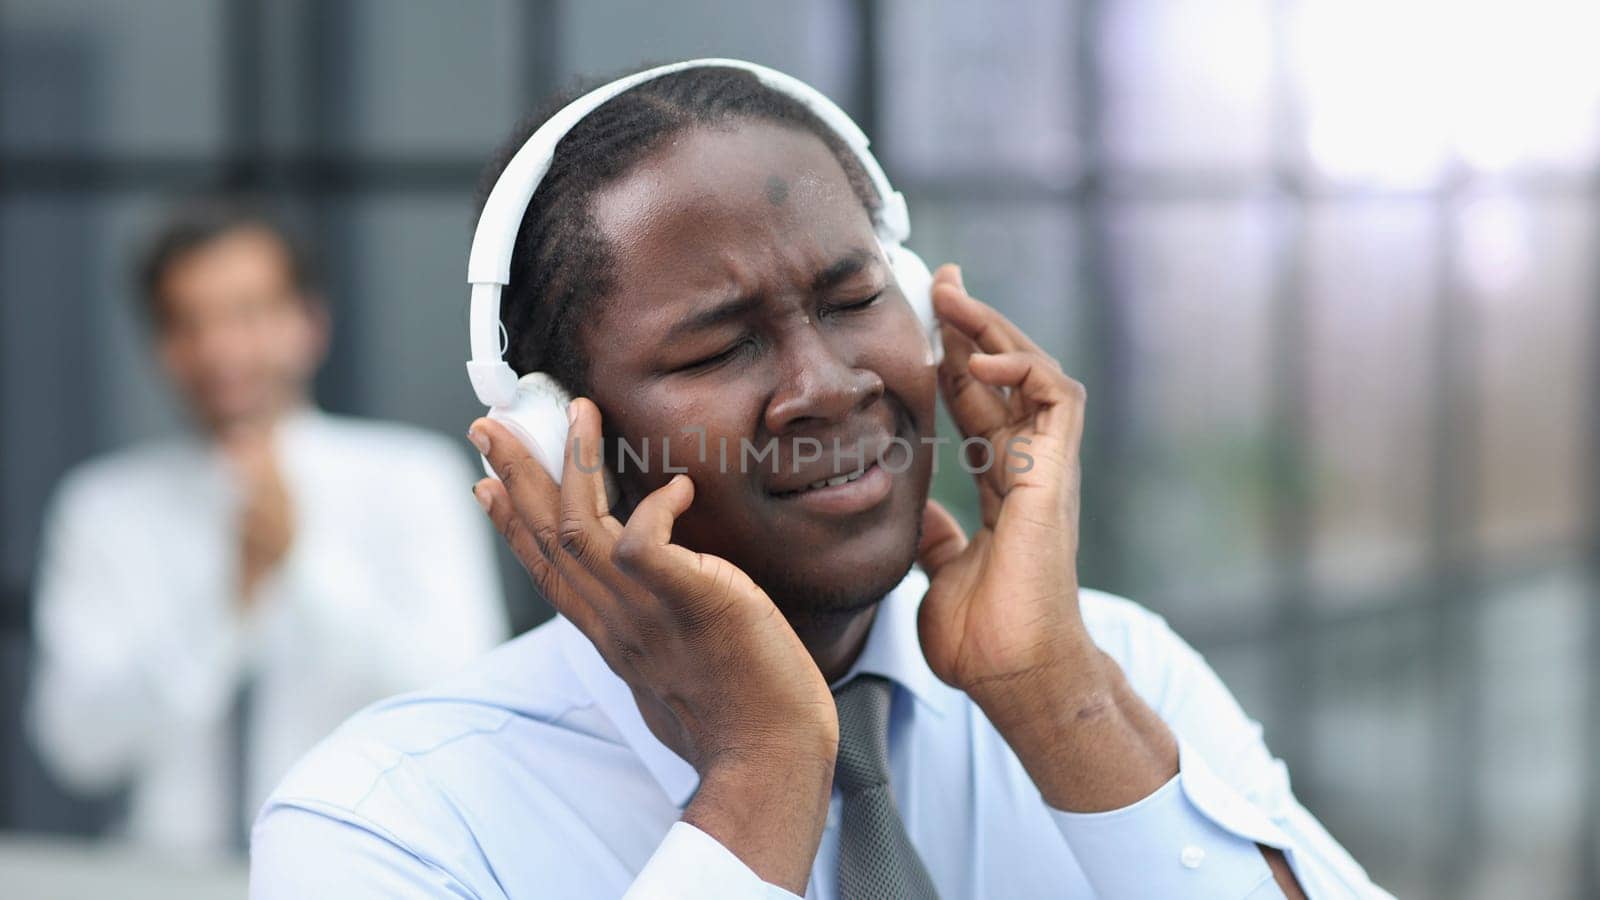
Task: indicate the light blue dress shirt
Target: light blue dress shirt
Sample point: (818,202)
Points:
(533,775)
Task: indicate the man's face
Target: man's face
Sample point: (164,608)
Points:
(236,339)
(744,272)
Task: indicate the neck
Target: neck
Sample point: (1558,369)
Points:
(836,639)
(258,421)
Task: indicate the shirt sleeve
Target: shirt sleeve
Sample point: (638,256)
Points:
(1164,846)
(297,853)
(690,864)
(1198,834)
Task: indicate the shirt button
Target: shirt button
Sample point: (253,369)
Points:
(1192,857)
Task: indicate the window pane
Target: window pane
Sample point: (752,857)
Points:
(1530,734)
(1529,283)
(413,316)
(1370,295)
(978,88)
(1188,84)
(81,76)
(1197,286)
(425,82)
(813,40)
(1395,92)
(1372,716)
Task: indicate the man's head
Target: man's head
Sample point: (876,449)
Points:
(701,254)
(231,296)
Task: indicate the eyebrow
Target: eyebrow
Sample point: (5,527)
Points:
(839,271)
(713,315)
(842,269)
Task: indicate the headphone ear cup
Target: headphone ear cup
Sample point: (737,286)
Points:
(916,283)
(538,417)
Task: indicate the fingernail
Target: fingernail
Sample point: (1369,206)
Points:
(572,412)
(483,498)
(478,439)
(959,283)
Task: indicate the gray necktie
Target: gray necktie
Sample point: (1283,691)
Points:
(876,859)
(236,764)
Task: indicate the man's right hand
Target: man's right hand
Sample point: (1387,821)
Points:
(718,673)
(266,514)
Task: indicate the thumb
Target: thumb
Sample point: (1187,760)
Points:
(942,538)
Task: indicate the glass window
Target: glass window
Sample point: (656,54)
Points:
(1187,84)
(1530,730)
(78,76)
(1197,286)
(978,88)
(421,83)
(1372,716)
(1371,289)
(1529,269)
(413,316)
(1394,92)
(813,40)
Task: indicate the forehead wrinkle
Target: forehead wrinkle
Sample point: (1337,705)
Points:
(691,224)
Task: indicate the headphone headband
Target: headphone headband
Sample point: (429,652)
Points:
(493,242)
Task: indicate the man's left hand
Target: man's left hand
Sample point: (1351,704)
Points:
(1000,620)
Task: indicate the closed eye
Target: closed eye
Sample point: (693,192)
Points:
(711,362)
(852,307)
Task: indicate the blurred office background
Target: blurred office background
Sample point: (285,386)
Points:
(1329,269)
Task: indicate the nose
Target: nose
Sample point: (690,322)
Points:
(818,387)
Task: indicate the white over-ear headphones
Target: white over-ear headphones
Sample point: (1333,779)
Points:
(534,407)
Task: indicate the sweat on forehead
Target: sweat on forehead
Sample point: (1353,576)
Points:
(724,183)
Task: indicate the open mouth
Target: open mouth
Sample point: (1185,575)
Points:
(842,495)
(825,483)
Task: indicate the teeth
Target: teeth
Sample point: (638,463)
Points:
(833,482)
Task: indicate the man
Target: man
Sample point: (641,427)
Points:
(751,691)
(210,606)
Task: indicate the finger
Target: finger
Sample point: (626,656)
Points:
(587,528)
(989,499)
(968,309)
(942,538)
(572,592)
(1038,382)
(530,489)
(987,326)
(645,549)
(977,408)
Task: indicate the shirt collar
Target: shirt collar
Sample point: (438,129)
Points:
(892,650)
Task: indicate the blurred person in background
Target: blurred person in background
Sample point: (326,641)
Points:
(211,605)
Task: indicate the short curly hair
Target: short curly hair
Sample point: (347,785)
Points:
(561,264)
(199,220)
